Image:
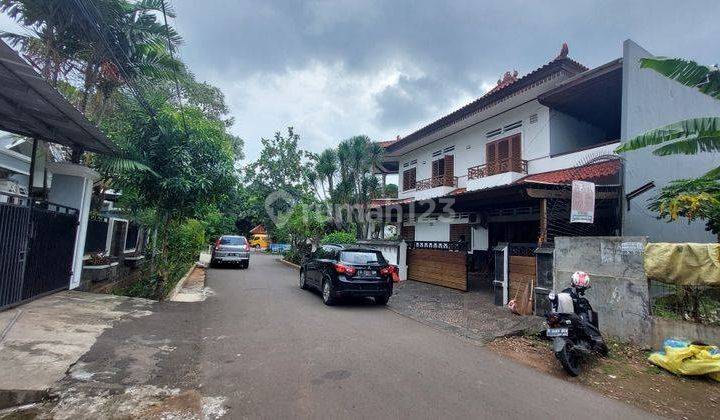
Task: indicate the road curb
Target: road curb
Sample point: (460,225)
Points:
(295,266)
(180,283)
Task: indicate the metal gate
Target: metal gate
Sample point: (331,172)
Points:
(14,219)
(37,244)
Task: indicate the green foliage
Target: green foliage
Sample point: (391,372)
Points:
(391,191)
(694,199)
(295,255)
(689,73)
(217,223)
(303,223)
(686,137)
(339,237)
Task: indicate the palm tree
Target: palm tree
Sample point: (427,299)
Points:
(689,136)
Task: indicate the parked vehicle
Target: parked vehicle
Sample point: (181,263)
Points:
(231,249)
(260,241)
(338,271)
(573,325)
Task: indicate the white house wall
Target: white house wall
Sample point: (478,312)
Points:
(650,100)
(470,145)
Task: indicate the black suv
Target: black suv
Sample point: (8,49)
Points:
(345,270)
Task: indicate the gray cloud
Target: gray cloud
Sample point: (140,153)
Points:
(337,68)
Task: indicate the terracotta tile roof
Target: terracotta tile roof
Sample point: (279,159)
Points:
(379,202)
(258,230)
(580,173)
(386,143)
(457,191)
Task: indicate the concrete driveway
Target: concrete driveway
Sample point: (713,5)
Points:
(259,347)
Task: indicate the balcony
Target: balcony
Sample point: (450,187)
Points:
(434,182)
(500,172)
(500,167)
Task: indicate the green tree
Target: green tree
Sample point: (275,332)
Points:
(193,168)
(391,191)
(279,175)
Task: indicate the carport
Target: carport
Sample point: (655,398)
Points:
(42,234)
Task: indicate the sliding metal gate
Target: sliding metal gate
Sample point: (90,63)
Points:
(37,243)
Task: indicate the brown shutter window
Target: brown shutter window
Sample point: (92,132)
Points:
(449,170)
(408,179)
(490,158)
(516,153)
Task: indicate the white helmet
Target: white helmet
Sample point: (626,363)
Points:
(581,279)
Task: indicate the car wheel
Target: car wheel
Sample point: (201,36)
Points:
(328,294)
(301,281)
(382,300)
(246,264)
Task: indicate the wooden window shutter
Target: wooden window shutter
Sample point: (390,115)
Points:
(449,170)
(435,168)
(490,158)
(516,153)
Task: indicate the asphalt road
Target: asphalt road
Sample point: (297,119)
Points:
(276,351)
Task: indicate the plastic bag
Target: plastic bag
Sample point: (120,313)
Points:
(683,358)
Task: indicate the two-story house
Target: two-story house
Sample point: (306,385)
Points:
(499,169)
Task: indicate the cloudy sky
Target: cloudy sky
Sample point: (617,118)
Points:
(333,69)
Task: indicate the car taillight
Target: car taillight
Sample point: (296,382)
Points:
(247,247)
(390,269)
(217,244)
(345,269)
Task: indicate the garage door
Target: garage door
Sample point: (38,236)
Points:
(443,268)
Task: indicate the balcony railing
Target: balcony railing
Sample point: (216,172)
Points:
(437,181)
(499,167)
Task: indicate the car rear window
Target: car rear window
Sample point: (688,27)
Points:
(232,240)
(361,257)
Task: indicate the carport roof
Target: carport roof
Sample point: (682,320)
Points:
(30,107)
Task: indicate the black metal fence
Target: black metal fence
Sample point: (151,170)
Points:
(51,248)
(96,238)
(37,244)
(14,221)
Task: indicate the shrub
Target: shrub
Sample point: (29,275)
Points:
(294,256)
(339,237)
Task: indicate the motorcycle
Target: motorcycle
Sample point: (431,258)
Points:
(573,325)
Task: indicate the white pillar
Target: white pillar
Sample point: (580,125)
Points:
(402,260)
(72,186)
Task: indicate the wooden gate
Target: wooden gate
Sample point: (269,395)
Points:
(522,272)
(440,263)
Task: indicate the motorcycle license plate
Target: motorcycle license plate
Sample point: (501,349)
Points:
(557,332)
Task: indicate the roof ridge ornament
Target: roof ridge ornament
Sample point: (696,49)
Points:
(564,51)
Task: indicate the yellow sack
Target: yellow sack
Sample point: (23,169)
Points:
(685,264)
(683,358)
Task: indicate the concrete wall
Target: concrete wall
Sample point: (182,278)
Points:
(650,100)
(568,133)
(619,291)
(669,328)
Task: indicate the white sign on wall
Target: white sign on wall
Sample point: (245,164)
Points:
(582,207)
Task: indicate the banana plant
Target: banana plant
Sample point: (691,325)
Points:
(691,136)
